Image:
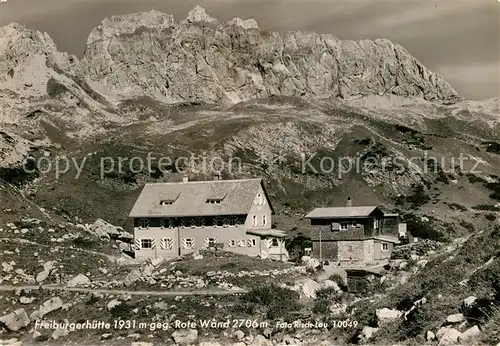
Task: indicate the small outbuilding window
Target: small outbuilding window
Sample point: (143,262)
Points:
(274,242)
(385,247)
(343,225)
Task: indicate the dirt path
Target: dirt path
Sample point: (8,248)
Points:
(209,292)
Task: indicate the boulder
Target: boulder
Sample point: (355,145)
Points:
(310,262)
(48,306)
(455,318)
(59,333)
(15,320)
(7,267)
(367,333)
(104,229)
(448,336)
(430,336)
(330,283)
(26,300)
(386,315)
(470,333)
(132,277)
(42,276)
(260,340)
(238,335)
(185,336)
(310,287)
(114,303)
(79,281)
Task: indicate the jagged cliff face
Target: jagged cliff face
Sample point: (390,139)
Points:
(202,59)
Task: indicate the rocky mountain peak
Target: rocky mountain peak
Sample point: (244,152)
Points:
(198,14)
(201,59)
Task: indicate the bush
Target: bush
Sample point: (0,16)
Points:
(279,301)
(85,243)
(296,246)
(339,280)
(486,207)
(490,217)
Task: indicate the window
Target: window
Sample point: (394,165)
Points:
(264,220)
(233,221)
(375,224)
(343,225)
(275,243)
(167,202)
(254,220)
(188,243)
(210,242)
(218,221)
(214,200)
(144,223)
(231,243)
(385,247)
(166,244)
(241,243)
(168,223)
(146,243)
(260,199)
(354,224)
(252,242)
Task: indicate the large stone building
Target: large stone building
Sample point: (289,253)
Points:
(172,219)
(353,235)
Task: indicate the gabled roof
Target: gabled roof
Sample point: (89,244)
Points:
(191,198)
(342,212)
(387,238)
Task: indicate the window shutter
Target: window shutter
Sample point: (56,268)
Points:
(184,244)
(153,243)
(137,244)
(269,243)
(166,244)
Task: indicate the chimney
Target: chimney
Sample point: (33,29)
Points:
(185,179)
(349,202)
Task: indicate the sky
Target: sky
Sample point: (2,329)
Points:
(459,39)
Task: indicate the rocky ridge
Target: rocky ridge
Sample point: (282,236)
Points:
(201,59)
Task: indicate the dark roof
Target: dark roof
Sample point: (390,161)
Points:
(191,198)
(361,272)
(342,212)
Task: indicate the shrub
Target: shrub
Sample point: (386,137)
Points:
(85,243)
(296,246)
(490,217)
(456,206)
(122,310)
(486,207)
(279,301)
(339,280)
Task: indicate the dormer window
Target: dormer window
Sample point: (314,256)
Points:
(214,200)
(167,202)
